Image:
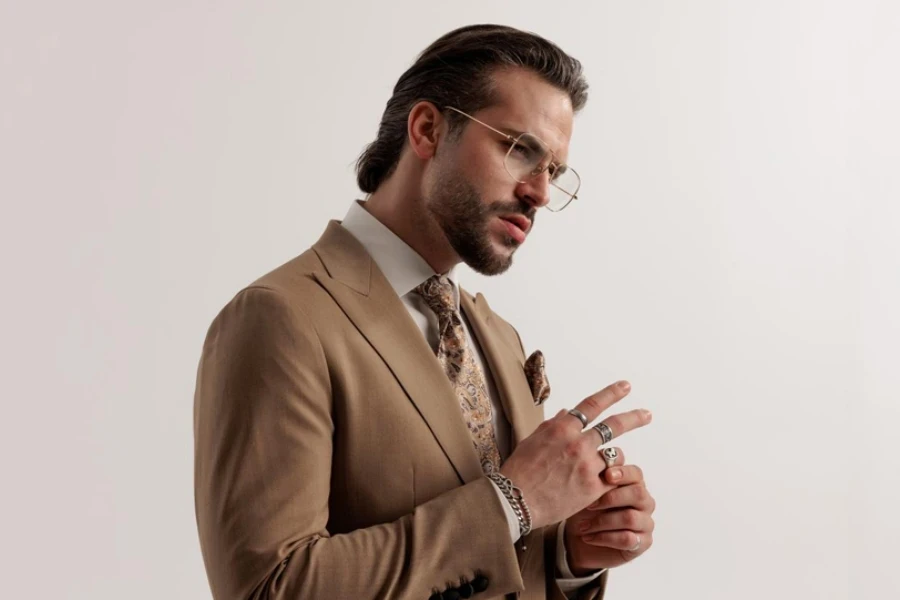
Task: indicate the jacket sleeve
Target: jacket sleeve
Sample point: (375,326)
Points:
(262,471)
(594,590)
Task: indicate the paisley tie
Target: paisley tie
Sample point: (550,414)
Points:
(464,373)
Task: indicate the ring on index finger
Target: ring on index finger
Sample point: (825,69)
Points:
(605,432)
(577,413)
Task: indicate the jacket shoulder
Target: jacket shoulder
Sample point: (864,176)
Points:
(290,287)
(294,277)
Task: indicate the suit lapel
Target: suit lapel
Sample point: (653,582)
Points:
(505,367)
(367,298)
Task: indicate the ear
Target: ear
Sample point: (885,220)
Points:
(426,126)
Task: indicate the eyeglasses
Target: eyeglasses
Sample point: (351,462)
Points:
(528,157)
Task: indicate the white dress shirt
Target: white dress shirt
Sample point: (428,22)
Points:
(405,270)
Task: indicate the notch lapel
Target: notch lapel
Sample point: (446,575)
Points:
(357,285)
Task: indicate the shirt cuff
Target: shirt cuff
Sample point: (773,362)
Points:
(568,582)
(511,519)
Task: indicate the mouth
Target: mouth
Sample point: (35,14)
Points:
(517,226)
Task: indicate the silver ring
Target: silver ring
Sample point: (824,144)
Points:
(636,546)
(577,413)
(610,455)
(605,432)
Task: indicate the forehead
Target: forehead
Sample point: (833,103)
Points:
(528,103)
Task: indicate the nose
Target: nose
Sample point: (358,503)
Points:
(535,190)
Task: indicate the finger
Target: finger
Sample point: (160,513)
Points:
(614,520)
(633,549)
(623,475)
(617,476)
(620,424)
(625,496)
(620,456)
(618,540)
(593,406)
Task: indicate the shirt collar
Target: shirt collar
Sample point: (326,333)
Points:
(403,267)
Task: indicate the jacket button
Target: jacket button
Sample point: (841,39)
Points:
(451,594)
(480,583)
(466,590)
(435,596)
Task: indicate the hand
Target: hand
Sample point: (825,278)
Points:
(604,534)
(557,467)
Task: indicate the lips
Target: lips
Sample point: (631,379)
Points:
(519,221)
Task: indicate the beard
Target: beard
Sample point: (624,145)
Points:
(465,219)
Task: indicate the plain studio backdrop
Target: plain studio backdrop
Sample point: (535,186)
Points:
(734,254)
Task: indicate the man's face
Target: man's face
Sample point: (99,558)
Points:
(472,197)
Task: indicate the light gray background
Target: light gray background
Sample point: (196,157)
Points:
(735,255)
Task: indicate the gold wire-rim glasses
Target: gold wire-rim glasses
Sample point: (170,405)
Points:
(514,140)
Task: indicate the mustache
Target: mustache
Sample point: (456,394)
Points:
(515,207)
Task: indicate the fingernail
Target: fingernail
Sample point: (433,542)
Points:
(647,414)
(585,525)
(624,386)
(615,474)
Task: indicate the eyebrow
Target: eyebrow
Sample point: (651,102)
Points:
(515,133)
(512,131)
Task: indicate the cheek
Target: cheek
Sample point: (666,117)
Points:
(487,174)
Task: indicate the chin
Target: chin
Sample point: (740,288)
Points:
(496,260)
(494,268)
(485,250)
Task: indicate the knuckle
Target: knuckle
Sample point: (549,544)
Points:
(611,498)
(641,493)
(551,424)
(552,434)
(586,472)
(573,449)
(560,428)
(594,403)
(630,519)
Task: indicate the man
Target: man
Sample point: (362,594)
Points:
(364,428)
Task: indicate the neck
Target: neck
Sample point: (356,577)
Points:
(401,210)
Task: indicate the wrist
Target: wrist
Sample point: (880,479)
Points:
(574,569)
(516,500)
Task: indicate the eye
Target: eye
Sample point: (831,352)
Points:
(523,150)
(557,171)
(519,149)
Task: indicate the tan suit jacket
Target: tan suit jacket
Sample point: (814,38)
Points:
(331,458)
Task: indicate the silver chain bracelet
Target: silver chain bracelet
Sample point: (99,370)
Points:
(516,500)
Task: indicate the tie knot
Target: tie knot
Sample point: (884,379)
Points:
(438,294)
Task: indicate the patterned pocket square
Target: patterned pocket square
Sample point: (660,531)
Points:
(536,373)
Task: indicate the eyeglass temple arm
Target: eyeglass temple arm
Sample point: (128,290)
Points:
(506,135)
